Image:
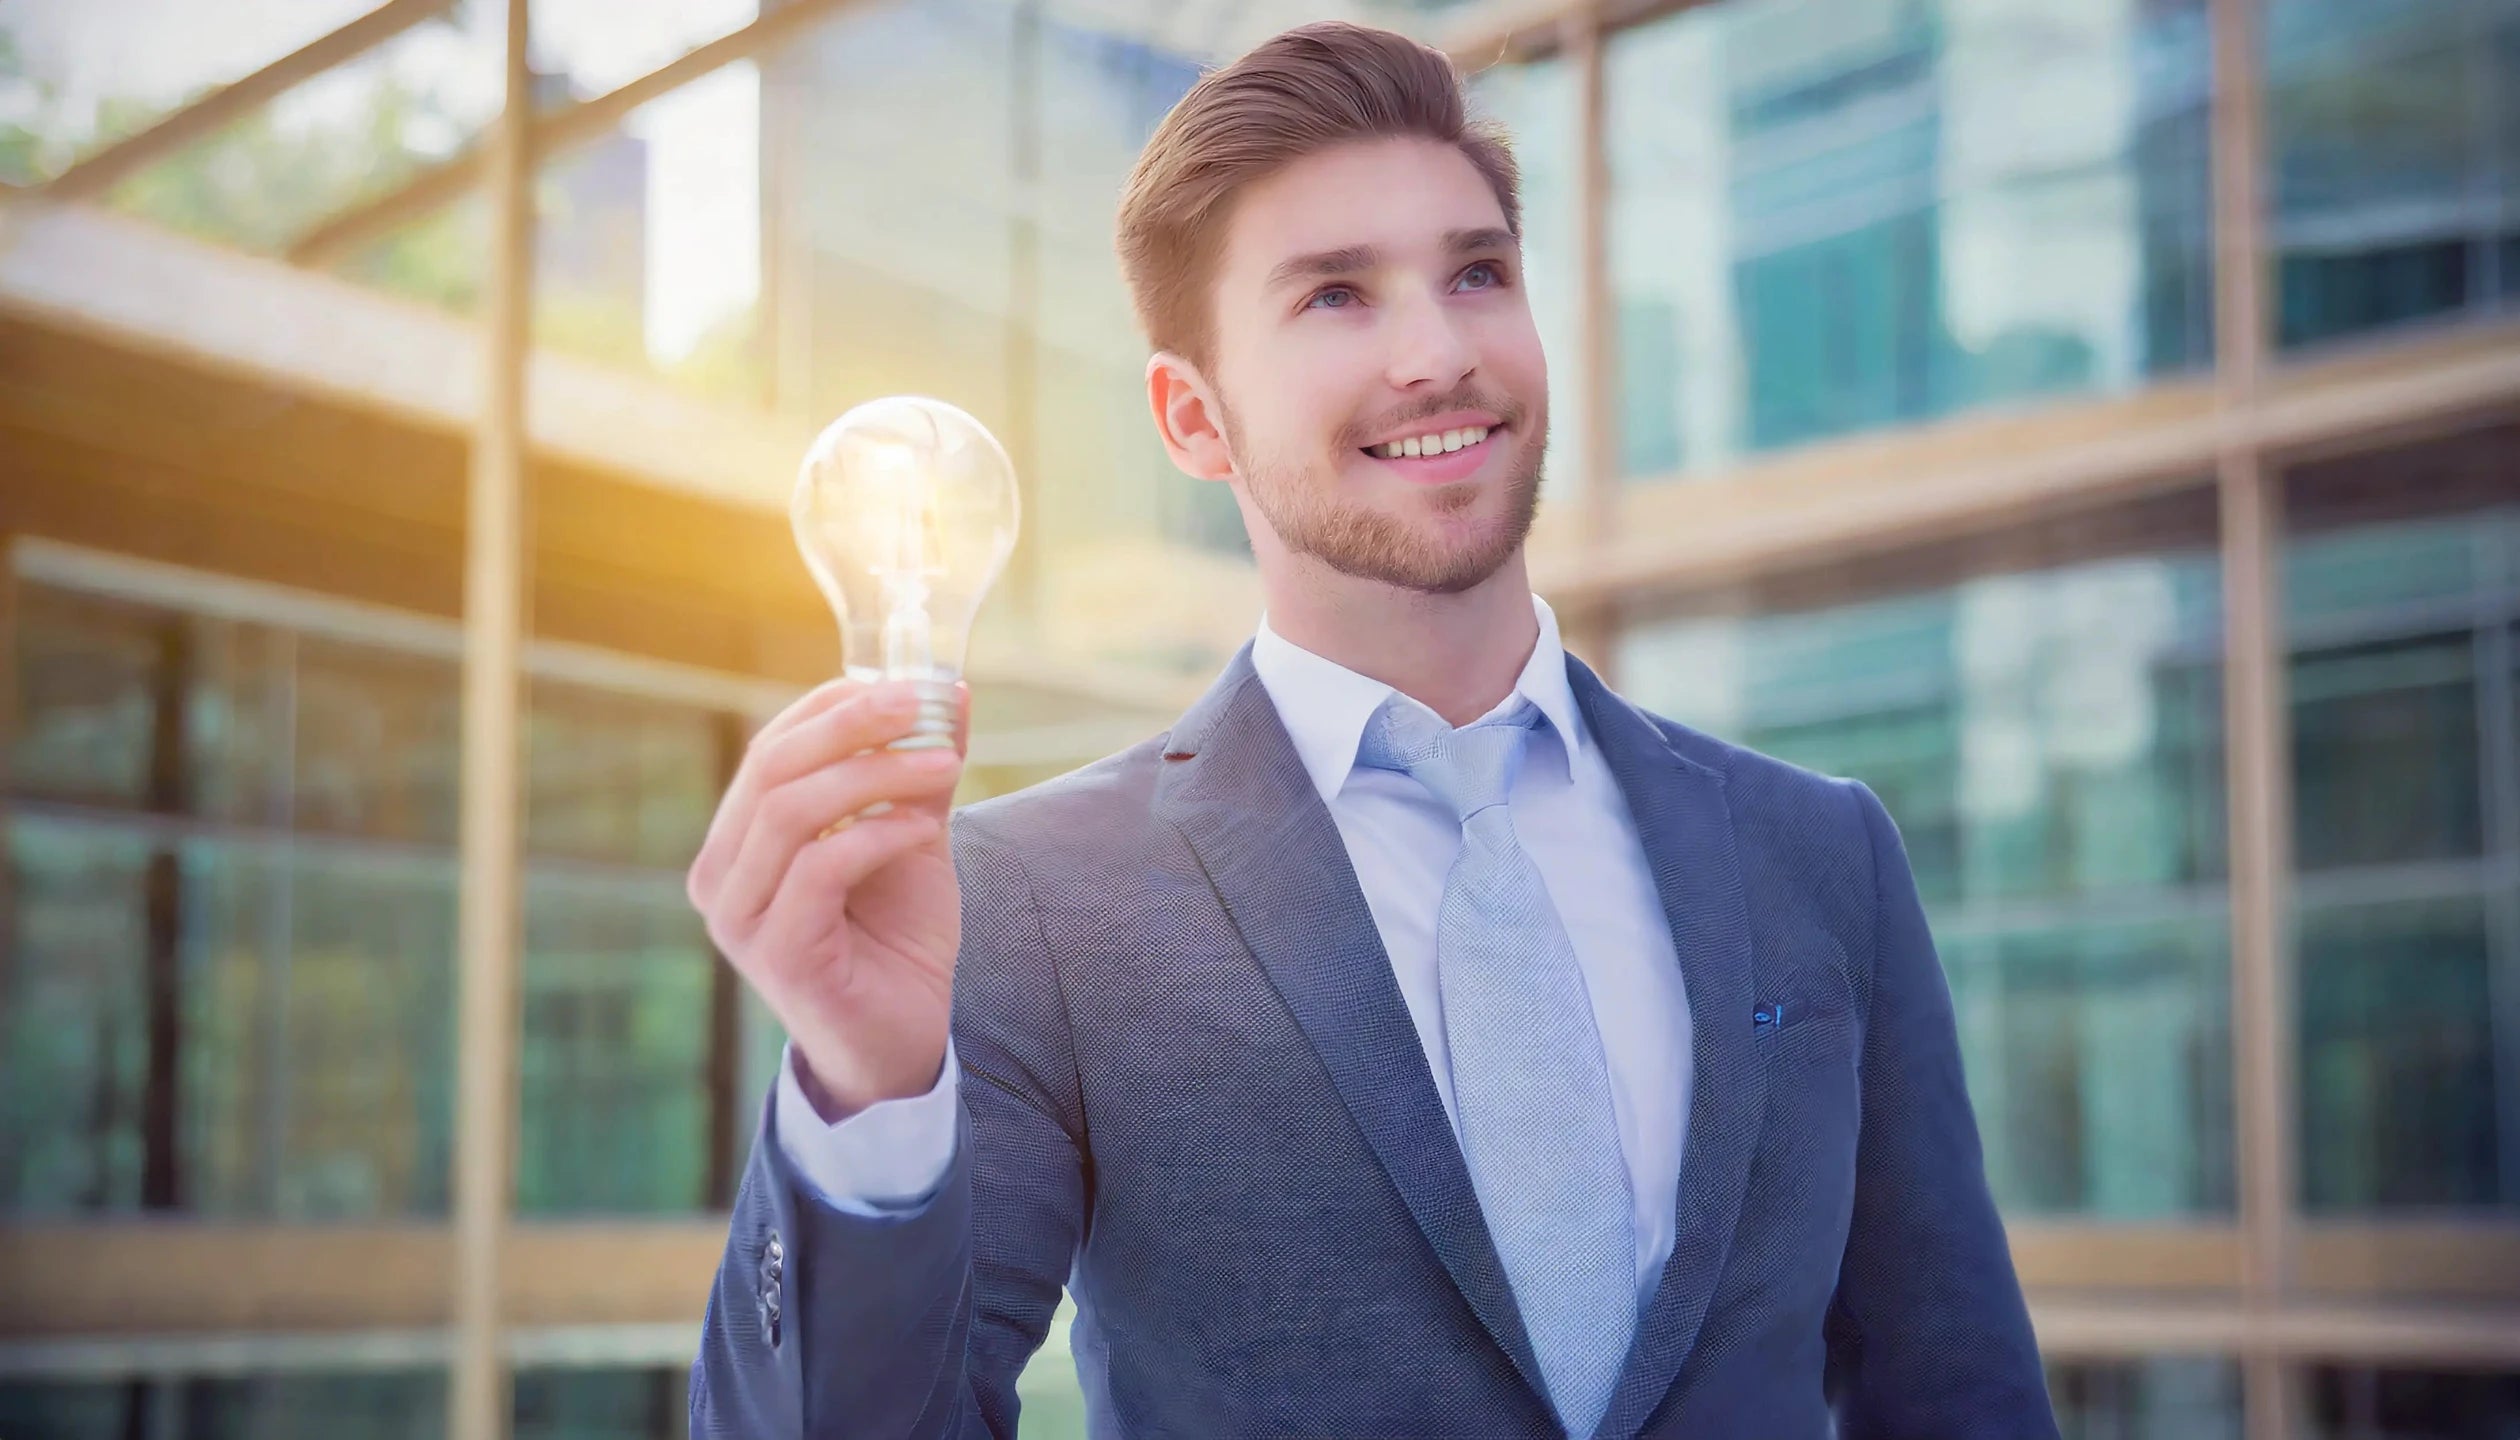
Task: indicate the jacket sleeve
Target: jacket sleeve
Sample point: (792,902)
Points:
(1928,1336)
(915,1322)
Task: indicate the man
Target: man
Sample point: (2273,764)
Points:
(1416,1040)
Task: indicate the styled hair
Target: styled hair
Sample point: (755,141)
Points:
(1301,91)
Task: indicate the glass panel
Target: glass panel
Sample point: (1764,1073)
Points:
(86,698)
(610,777)
(2394,182)
(32,1409)
(2050,746)
(2404,898)
(73,1014)
(2101,1057)
(2397,1058)
(376,743)
(334,142)
(2161,1398)
(1830,219)
(648,239)
(372,1406)
(588,47)
(440,259)
(379,1405)
(615,1066)
(2357,1403)
(608,1404)
(2385,752)
(80,76)
(316,1051)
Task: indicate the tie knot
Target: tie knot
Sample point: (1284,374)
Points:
(1469,769)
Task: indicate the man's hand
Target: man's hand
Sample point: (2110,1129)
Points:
(844,922)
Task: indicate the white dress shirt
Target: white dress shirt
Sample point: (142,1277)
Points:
(1572,820)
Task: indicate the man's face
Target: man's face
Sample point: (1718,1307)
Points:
(1369,301)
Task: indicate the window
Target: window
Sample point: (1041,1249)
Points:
(231,993)
(1838,217)
(2049,742)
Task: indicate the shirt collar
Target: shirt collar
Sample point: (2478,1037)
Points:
(1324,705)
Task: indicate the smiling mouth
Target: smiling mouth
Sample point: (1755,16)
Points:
(1440,442)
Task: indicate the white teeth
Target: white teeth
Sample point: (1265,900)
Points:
(1442,444)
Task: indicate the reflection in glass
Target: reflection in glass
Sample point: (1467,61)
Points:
(73,1020)
(2050,744)
(230,988)
(612,777)
(2362,1403)
(2407,897)
(2394,191)
(83,85)
(349,136)
(613,1403)
(2155,1398)
(2397,1061)
(615,1085)
(1830,218)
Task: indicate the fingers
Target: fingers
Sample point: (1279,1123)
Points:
(794,816)
(829,868)
(828,725)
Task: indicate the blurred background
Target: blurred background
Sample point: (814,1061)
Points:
(2094,423)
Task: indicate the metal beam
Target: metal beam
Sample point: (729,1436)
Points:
(488,904)
(343,234)
(98,173)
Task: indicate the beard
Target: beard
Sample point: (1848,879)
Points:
(1455,553)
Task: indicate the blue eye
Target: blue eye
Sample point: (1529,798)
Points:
(1495,277)
(1336,297)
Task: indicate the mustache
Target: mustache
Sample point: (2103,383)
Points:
(1357,437)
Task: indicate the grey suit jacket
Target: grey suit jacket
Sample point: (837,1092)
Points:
(1192,1090)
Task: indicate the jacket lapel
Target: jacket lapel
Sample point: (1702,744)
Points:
(1685,830)
(1235,787)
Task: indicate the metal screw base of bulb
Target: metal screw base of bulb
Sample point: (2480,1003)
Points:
(939,710)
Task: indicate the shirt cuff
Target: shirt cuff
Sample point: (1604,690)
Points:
(886,1160)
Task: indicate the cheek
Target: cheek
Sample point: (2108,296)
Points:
(1510,352)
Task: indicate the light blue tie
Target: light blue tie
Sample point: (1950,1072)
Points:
(1530,1086)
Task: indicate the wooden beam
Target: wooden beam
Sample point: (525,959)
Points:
(1827,503)
(489,900)
(2460,1261)
(336,238)
(76,1279)
(2257,719)
(99,172)
(2099,1328)
(2164,1259)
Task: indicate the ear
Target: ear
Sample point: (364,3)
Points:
(1188,417)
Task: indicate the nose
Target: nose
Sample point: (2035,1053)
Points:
(1429,350)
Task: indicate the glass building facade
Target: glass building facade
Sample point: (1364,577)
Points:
(1902,431)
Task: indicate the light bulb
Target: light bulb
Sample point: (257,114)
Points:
(906,509)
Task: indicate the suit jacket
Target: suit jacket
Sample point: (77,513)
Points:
(1191,1089)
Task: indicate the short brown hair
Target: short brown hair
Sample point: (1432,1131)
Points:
(1301,91)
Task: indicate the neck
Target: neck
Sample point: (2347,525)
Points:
(1458,655)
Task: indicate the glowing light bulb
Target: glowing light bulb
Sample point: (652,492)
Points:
(906,510)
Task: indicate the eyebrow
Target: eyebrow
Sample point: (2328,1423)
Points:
(1356,259)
